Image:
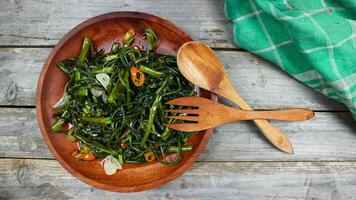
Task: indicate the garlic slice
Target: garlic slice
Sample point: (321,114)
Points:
(104,80)
(96,92)
(111,165)
(61,101)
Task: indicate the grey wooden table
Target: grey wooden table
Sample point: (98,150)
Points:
(238,163)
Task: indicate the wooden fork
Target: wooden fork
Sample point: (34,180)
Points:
(209,114)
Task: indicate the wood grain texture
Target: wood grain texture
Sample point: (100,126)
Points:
(330,136)
(45,22)
(327,137)
(19,72)
(46,179)
(260,83)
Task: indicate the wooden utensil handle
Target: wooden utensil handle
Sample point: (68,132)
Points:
(293,114)
(275,136)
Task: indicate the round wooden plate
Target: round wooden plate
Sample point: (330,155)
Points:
(104,30)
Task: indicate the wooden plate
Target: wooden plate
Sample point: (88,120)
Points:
(104,30)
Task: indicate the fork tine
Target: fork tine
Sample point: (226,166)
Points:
(186,127)
(189,101)
(187,118)
(185,111)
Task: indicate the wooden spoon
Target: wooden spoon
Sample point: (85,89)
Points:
(200,65)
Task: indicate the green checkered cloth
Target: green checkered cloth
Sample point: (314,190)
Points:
(312,40)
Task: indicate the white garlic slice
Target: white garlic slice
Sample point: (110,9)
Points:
(103,79)
(111,165)
(61,101)
(96,92)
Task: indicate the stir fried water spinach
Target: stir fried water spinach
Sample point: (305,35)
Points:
(114,102)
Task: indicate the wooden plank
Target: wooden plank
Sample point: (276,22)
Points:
(46,179)
(328,137)
(44,22)
(19,72)
(261,83)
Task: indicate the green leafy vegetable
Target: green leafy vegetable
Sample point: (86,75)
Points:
(151,38)
(116,109)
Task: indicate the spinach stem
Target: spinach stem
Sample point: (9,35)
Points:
(56,127)
(115,91)
(97,120)
(150,71)
(94,143)
(183,148)
(151,118)
(153,111)
(85,49)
